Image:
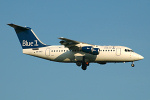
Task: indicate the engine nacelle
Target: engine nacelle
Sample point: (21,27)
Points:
(91,50)
(87,49)
(96,51)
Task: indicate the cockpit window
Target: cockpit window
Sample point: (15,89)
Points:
(128,50)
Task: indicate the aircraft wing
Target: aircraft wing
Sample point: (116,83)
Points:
(72,44)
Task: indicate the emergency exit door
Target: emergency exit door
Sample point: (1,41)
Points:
(118,51)
(47,52)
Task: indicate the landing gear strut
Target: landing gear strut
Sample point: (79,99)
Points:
(84,64)
(132,64)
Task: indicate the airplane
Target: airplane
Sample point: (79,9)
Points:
(71,51)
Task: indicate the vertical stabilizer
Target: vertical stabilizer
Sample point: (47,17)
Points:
(27,37)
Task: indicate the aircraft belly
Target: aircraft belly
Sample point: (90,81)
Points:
(112,58)
(65,57)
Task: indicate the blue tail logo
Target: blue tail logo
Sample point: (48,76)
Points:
(27,37)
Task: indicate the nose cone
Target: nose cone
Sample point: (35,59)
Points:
(141,57)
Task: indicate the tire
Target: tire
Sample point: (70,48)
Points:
(132,65)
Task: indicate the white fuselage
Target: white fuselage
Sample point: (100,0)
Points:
(71,51)
(107,54)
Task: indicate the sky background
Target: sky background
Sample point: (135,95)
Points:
(101,22)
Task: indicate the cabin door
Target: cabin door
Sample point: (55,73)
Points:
(118,51)
(47,52)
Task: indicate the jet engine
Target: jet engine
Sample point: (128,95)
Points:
(96,51)
(91,50)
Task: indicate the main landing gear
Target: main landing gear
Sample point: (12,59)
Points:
(83,63)
(132,64)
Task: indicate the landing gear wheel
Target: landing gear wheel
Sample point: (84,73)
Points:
(132,65)
(78,64)
(84,66)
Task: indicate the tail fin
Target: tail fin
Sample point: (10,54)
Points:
(27,37)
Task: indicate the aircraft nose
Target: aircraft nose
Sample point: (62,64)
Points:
(141,57)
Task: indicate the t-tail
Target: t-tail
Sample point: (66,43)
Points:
(27,37)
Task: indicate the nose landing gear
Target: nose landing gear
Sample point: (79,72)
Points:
(132,64)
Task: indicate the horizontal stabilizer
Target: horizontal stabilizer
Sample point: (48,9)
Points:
(19,28)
